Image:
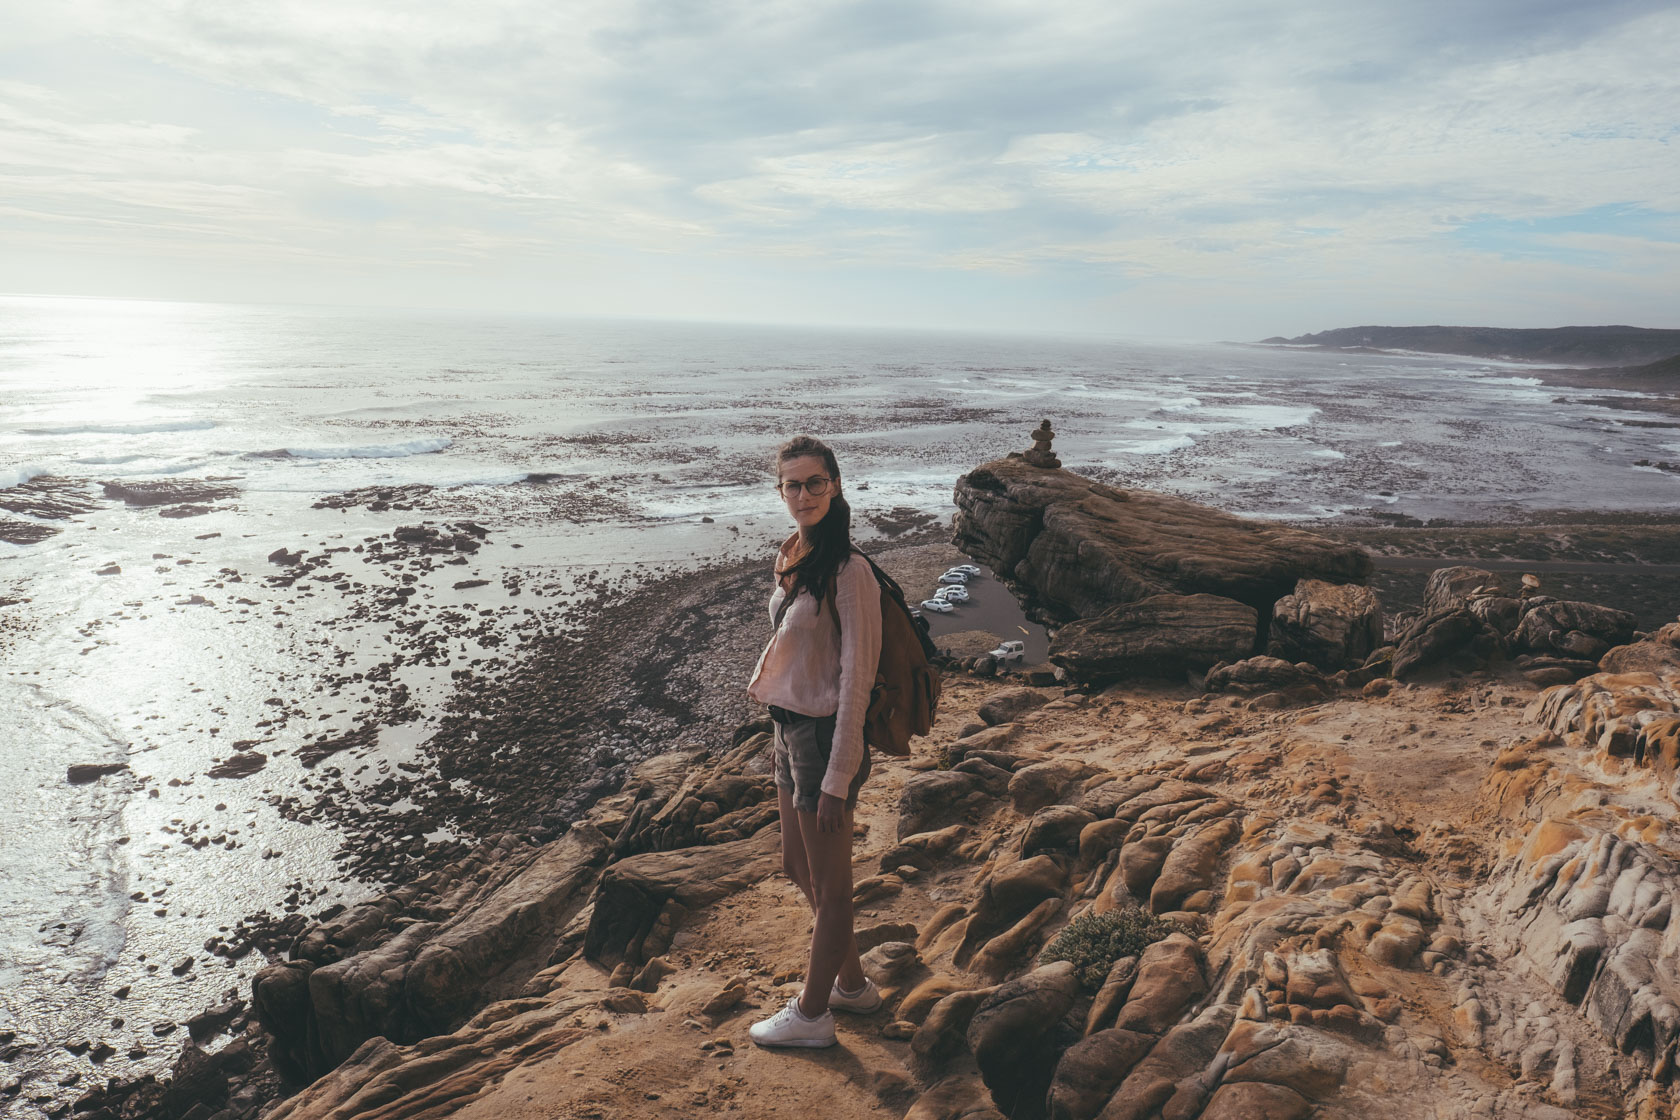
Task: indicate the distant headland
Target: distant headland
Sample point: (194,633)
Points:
(1578,346)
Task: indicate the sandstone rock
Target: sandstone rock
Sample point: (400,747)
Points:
(944,1033)
(1316,980)
(1055,828)
(1256,1100)
(1017,1035)
(1451,589)
(892,963)
(429,976)
(1186,1052)
(1099,838)
(1007,951)
(633,891)
(1190,864)
(1163,635)
(1658,652)
(1439,637)
(1329,625)
(921,999)
(933,798)
(438,1077)
(1009,704)
(1579,630)
(1266,674)
(1083,547)
(280,1000)
(1102,800)
(1169,979)
(1009,895)
(1116,986)
(1140,863)
(868,937)
(955,1098)
(1033,787)
(1092,1069)
(1306,1062)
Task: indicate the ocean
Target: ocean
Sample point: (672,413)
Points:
(585,450)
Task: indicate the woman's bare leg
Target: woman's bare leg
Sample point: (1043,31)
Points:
(833,948)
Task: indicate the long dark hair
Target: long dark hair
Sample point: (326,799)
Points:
(831,538)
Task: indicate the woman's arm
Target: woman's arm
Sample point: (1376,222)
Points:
(857,599)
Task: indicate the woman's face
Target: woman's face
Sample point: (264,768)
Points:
(806,509)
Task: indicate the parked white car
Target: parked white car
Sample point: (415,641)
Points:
(954,576)
(938,606)
(1009,651)
(952,593)
(969,569)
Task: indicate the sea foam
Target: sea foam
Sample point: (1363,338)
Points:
(138,429)
(364,451)
(18,475)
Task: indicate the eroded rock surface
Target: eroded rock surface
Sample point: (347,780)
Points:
(1160,636)
(1080,547)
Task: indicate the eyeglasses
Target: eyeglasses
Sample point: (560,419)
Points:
(816,486)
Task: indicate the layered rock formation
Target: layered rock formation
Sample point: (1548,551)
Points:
(1077,547)
(1472,922)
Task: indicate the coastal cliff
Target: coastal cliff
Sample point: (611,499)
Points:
(1580,346)
(1280,884)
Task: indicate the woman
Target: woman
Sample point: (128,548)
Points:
(816,675)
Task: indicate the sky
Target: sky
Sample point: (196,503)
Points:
(1231,169)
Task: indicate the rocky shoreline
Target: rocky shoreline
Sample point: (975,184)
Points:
(534,943)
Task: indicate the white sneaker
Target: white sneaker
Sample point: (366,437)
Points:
(790,1027)
(861,1002)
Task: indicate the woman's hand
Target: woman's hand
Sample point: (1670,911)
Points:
(831,813)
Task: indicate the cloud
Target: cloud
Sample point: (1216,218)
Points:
(1081,143)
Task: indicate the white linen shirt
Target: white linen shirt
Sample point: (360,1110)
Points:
(810,668)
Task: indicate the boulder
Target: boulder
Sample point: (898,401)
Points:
(1055,828)
(1658,652)
(1438,637)
(1111,997)
(1081,547)
(81,773)
(1169,979)
(442,1075)
(1186,1052)
(1499,613)
(1039,784)
(634,891)
(1577,630)
(1017,1035)
(1160,636)
(1256,1100)
(1009,704)
(944,1032)
(1328,625)
(1091,1070)
(1254,675)
(1009,895)
(937,797)
(1451,589)
(961,1097)
(1190,864)
(430,976)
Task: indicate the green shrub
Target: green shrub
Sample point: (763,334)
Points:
(1093,942)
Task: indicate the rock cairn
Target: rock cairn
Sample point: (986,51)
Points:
(1040,454)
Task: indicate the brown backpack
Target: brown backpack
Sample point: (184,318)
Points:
(906,693)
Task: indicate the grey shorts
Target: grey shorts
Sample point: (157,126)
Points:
(801,757)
